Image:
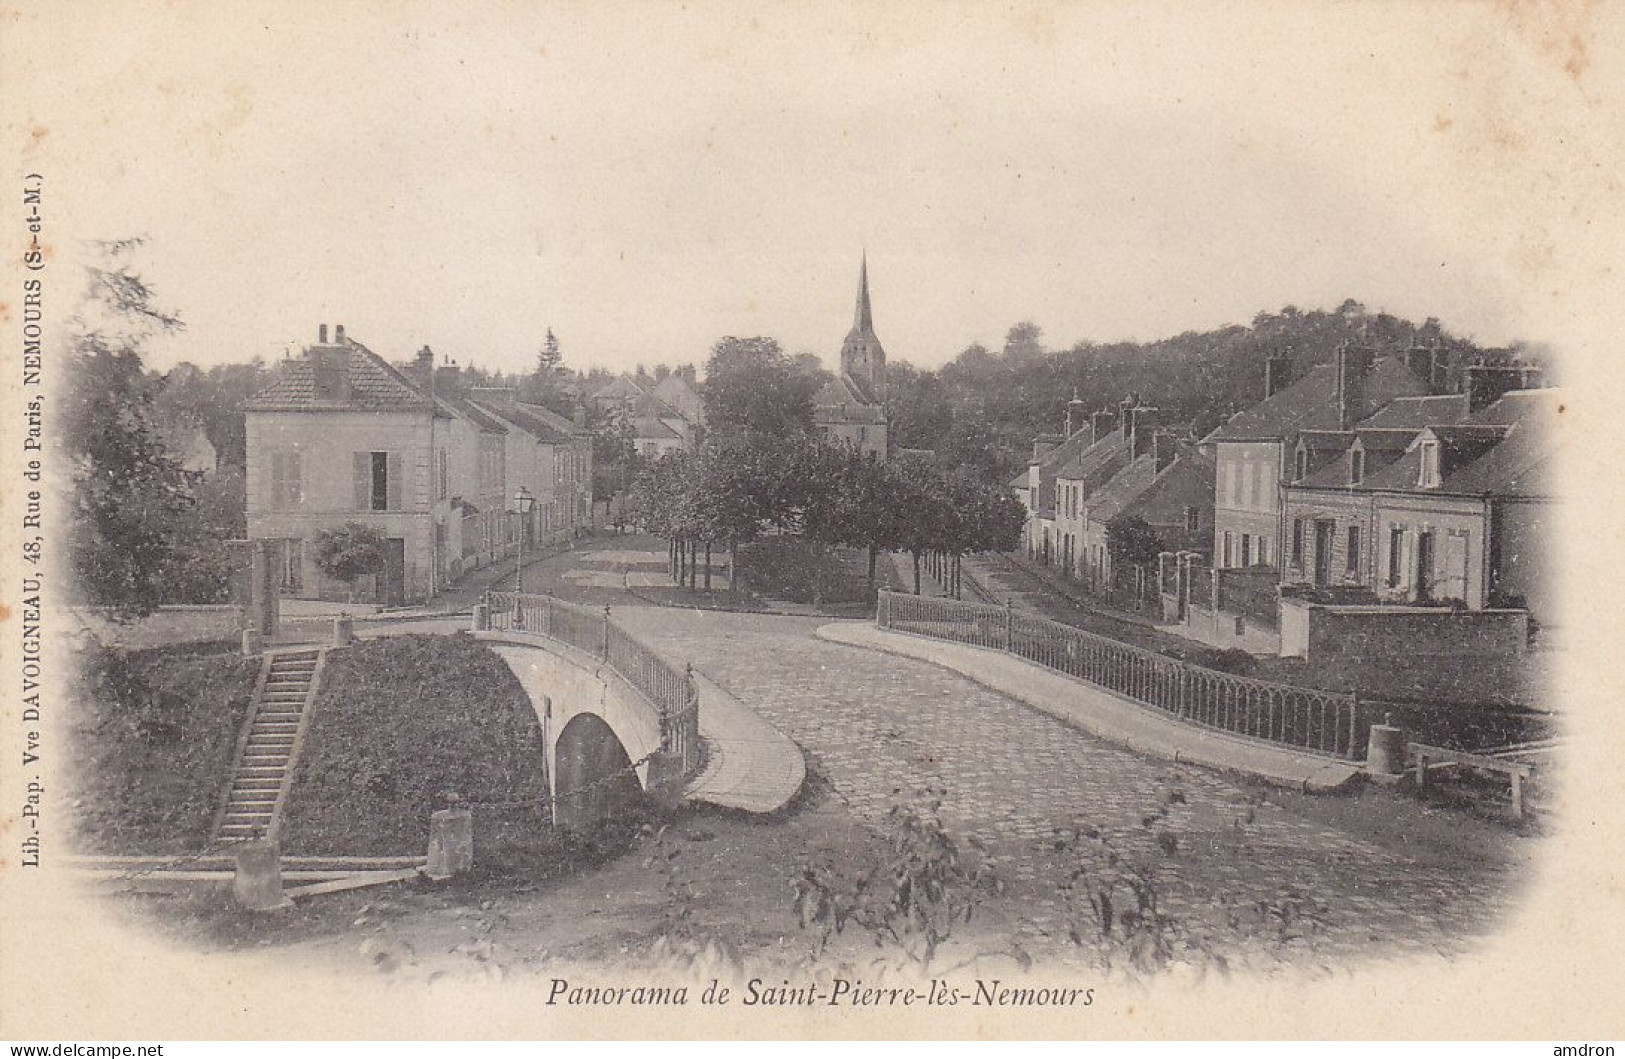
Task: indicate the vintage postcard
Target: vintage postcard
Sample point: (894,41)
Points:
(541,520)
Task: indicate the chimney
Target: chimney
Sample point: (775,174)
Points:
(321,335)
(1100,424)
(1352,364)
(1419,359)
(423,370)
(1164,446)
(1125,417)
(579,417)
(1439,370)
(448,379)
(338,334)
(1143,428)
(1076,414)
(1484,384)
(332,374)
(1277,372)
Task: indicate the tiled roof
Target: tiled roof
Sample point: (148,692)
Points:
(525,419)
(1108,501)
(1310,403)
(552,418)
(619,389)
(1401,475)
(1373,439)
(1322,440)
(1538,409)
(374,385)
(649,428)
(681,395)
(1187,482)
(462,406)
(1414,413)
(841,400)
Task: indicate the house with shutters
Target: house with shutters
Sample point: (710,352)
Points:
(341,435)
(1166,486)
(550,457)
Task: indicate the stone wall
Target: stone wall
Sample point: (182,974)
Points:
(1377,634)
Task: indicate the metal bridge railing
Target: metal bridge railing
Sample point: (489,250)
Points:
(669,687)
(1322,722)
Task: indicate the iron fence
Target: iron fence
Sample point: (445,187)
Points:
(1321,722)
(669,687)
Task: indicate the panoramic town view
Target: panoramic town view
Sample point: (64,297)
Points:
(1223,652)
(531,516)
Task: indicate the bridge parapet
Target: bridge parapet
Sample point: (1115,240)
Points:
(669,688)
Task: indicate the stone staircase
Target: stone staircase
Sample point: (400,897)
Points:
(269,745)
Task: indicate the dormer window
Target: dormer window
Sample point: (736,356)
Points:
(1356,466)
(1430,465)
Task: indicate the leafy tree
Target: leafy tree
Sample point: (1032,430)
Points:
(752,387)
(1024,341)
(187,396)
(130,496)
(347,553)
(1130,541)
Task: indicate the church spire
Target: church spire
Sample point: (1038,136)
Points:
(862,319)
(863,361)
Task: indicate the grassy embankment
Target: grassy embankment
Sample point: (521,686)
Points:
(153,732)
(399,724)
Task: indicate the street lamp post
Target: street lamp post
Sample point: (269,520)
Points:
(523,501)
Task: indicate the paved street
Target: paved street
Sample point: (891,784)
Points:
(877,725)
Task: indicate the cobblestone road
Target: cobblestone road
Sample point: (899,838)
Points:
(877,725)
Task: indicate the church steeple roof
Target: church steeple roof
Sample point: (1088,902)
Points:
(863,320)
(863,360)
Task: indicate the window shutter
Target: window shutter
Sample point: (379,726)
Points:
(276,482)
(393,481)
(293,480)
(363,481)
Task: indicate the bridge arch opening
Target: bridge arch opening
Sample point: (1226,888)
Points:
(593,779)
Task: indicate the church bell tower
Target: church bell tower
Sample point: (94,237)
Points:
(863,360)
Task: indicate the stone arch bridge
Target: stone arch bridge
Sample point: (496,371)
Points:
(617,719)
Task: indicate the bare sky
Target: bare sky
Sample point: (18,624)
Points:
(646,178)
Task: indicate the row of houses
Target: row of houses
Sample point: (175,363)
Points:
(664,415)
(1369,495)
(341,435)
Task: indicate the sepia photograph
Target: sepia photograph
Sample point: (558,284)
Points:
(557,520)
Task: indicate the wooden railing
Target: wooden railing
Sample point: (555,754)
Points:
(669,687)
(1321,722)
